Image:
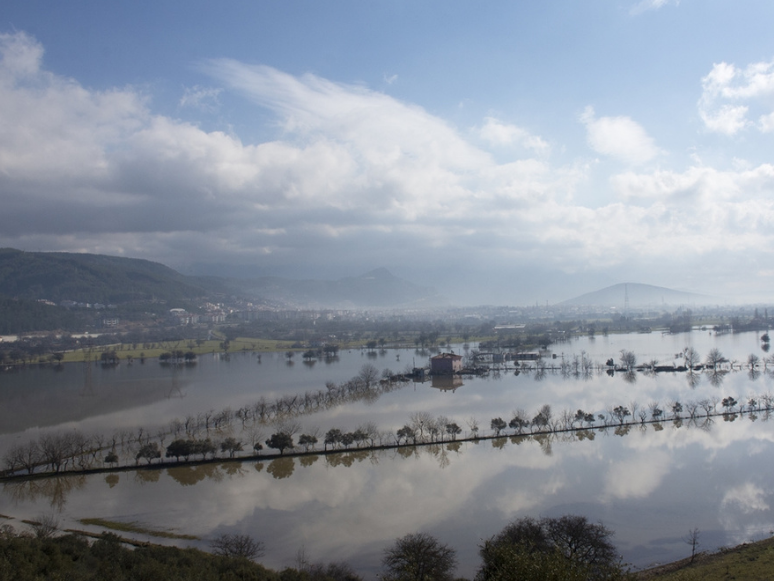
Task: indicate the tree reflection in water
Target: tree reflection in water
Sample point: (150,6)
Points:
(281,468)
(54,489)
(191,475)
(347,459)
(716,376)
(694,379)
(147,476)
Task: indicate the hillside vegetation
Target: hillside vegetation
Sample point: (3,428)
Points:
(21,315)
(747,562)
(71,557)
(91,278)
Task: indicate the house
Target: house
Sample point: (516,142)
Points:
(445,364)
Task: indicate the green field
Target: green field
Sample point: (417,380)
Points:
(153,350)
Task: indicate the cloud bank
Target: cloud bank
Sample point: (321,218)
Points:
(355,178)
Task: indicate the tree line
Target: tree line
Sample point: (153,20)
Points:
(57,453)
(192,437)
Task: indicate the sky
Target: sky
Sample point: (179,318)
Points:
(502,152)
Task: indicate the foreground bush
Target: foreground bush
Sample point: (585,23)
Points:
(71,557)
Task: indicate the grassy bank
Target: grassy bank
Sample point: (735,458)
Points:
(750,561)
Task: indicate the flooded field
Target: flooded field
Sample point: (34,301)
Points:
(650,483)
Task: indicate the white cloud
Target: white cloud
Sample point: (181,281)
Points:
(21,55)
(725,119)
(202,98)
(728,93)
(646,5)
(618,137)
(766,123)
(503,134)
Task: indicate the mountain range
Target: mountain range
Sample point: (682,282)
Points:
(94,278)
(29,277)
(638,296)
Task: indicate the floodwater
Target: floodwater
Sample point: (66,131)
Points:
(650,484)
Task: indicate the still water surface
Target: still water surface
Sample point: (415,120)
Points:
(650,486)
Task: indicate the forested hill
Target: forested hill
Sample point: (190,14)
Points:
(96,278)
(92,278)
(30,279)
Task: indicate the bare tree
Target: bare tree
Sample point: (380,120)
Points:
(692,539)
(691,357)
(628,359)
(420,421)
(26,456)
(715,358)
(368,375)
(239,546)
(634,407)
(472,423)
(45,526)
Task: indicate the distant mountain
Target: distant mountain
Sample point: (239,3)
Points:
(93,278)
(375,289)
(640,295)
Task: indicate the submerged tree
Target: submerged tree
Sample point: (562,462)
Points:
(715,358)
(148,452)
(628,359)
(231,445)
(691,357)
(453,430)
(332,438)
(307,441)
(280,441)
(498,425)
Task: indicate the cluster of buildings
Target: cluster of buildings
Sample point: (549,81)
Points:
(73,304)
(212,314)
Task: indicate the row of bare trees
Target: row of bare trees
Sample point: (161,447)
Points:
(73,450)
(618,415)
(55,452)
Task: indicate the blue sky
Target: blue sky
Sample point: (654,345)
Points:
(510,152)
